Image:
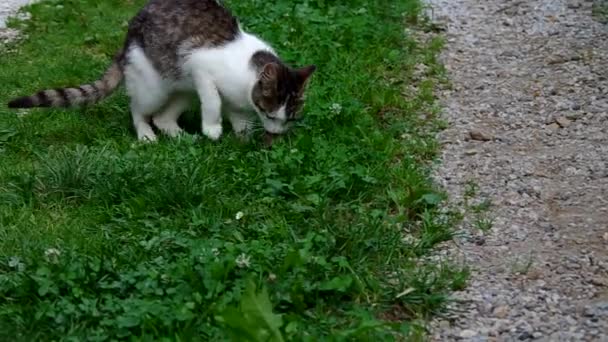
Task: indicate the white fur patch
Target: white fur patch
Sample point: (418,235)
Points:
(277,125)
(144,84)
(230,69)
(281,114)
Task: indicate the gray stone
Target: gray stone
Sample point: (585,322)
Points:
(479,135)
(467,333)
(563,122)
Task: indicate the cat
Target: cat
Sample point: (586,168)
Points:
(179,47)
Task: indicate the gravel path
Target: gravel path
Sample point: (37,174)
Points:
(528,114)
(9,8)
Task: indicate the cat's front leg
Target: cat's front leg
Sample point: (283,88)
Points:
(211,106)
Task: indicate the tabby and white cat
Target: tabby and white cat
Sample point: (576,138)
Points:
(174,48)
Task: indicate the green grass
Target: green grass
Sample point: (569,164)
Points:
(599,11)
(320,237)
(476,208)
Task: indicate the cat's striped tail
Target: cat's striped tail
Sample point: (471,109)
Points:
(85,94)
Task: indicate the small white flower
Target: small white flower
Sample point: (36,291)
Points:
(243,261)
(52,255)
(239,215)
(409,239)
(15,262)
(336,108)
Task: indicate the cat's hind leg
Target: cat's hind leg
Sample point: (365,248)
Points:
(147,90)
(142,111)
(142,114)
(166,120)
(142,127)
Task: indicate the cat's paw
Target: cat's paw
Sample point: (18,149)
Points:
(169,128)
(146,137)
(213,131)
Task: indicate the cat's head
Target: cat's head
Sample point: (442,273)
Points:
(278,95)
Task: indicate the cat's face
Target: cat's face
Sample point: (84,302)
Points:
(278,96)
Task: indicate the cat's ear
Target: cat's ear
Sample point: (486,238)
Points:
(305,72)
(269,76)
(270,72)
(304,75)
